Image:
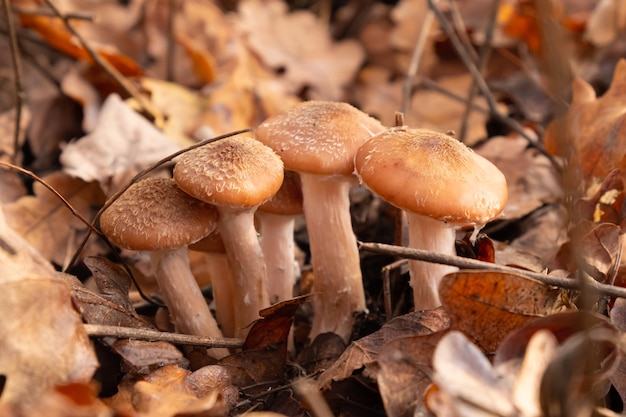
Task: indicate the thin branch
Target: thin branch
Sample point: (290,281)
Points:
(119,78)
(418,51)
(466,263)
(17,71)
(98,330)
(483,57)
(49,13)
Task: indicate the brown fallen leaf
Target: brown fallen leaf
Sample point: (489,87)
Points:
(48,225)
(365,351)
(488,305)
(300,46)
(39,323)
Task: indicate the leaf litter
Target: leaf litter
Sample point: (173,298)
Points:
(211,68)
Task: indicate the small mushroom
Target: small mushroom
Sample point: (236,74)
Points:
(318,139)
(440,183)
(276,220)
(155,215)
(236,175)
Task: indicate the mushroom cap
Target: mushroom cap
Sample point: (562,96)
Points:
(237,172)
(288,199)
(432,174)
(212,243)
(155,214)
(318,137)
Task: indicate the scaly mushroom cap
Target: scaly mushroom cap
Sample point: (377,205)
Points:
(432,174)
(318,137)
(155,214)
(237,172)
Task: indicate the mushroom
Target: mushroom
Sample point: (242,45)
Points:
(222,279)
(440,183)
(318,139)
(276,220)
(155,215)
(236,175)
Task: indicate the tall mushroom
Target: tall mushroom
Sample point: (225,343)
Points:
(440,183)
(318,139)
(276,220)
(155,215)
(236,175)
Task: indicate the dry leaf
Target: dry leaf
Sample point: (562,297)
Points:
(39,323)
(364,351)
(299,45)
(48,224)
(488,305)
(122,144)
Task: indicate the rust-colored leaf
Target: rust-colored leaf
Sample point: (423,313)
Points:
(488,305)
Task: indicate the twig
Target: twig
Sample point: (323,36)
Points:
(401,265)
(138,177)
(43,12)
(415,61)
(98,330)
(482,85)
(466,263)
(17,71)
(123,82)
(483,56)
(171,45)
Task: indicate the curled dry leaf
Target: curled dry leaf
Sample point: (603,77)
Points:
(122,144)
(39,323)
(488,305)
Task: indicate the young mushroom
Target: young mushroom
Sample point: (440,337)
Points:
(236,175)
(440,183)
(155,215)
(318,139)
(276,220)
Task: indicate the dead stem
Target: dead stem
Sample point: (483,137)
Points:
(98,330)
(584,281)
(17,71)
(123,82)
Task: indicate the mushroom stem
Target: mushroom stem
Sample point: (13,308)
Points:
(436,236)
(236,226)
(185,302)
(278,249)
(337,287)
(222,281)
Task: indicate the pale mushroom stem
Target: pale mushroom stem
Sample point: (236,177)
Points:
(435,236)
(337,287)
(222,282)
(236,226)
(278,249)
(185,302)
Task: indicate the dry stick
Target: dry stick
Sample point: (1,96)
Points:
(138,177)
(99,330)
(17,71)
(483,87)
(466,263)
(171,45)
(123,82)
(415,61)
(461,29)
(483,56)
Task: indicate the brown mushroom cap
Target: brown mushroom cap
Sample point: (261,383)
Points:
(211,243)
(432,174)
(155,214)
(288,199)
(318,137)
(238,171)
